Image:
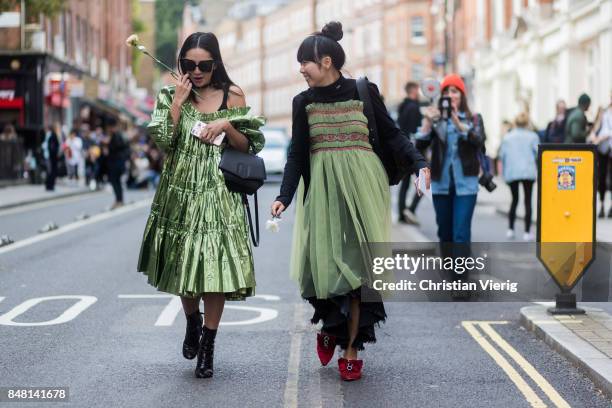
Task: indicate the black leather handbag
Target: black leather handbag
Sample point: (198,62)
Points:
(244,173)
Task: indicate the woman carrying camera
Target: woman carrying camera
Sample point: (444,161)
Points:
(196,241)
(456,139)
(519,155)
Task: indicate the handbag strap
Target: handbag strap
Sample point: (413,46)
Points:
(368,110)
(245,200)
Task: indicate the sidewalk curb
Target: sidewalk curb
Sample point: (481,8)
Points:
(45,199)
(596,365)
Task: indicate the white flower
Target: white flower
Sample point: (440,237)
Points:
(132,40)
(272,224)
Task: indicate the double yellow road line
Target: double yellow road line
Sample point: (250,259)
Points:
(485,342)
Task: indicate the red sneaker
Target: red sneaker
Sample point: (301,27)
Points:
(350,370)
(326,345)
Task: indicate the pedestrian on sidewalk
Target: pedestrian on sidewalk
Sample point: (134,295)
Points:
(74,155)
(602,138)
(343,198)
(456,141)
(118,153)
(519,155)
(196,241)
(577,127)
(51,152)
(9,134)
(100,165)
(409,119)
(555,130)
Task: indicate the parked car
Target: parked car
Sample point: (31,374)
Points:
(274,152)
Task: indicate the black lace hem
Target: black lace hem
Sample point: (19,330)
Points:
(335,312)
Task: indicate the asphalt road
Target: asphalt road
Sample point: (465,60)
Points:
(117,342)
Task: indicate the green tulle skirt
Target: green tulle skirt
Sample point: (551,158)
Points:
(347,205)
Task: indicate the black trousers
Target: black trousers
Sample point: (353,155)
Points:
(115,171)
(527,189)
(403,192)
(51,174)
(604,171)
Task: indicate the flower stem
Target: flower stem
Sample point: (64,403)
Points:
(174,74)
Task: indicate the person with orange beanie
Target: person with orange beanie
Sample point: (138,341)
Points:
(456,137)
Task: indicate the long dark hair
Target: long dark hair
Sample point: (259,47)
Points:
(207,41)
(463,104)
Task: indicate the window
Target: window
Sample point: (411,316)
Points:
(417,72)
(392,85)
(68,34)
(392,36)
(417,29)
(498,17)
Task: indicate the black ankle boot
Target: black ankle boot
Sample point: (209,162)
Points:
(204,366)
(192,335)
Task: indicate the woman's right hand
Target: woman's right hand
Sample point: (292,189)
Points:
(431,113)
(182,91)
(277,209)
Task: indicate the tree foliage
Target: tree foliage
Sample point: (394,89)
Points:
(138,27)
(49,8)
(168,15)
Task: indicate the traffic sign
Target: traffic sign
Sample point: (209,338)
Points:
(567,183)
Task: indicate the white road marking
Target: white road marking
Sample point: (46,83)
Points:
(293,368)
(47,203)
(174,307)
(265,314)
(144,296)
(168,315)
(75,225)
(268,297)
(73,311)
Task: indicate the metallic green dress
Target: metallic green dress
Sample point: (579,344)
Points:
(196,239)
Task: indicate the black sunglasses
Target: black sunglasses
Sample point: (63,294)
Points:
(188,65)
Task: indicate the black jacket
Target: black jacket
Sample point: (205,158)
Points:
(118,149)
(468,150)
(344,89)
(409,116)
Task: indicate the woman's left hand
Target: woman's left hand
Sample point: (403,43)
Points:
(426,173)
(213,129)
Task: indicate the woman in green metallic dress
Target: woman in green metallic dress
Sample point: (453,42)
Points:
(196,241)
(342,198)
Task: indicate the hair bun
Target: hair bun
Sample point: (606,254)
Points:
(333,30)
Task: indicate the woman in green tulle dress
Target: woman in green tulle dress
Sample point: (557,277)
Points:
(196,241)
(342,198)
